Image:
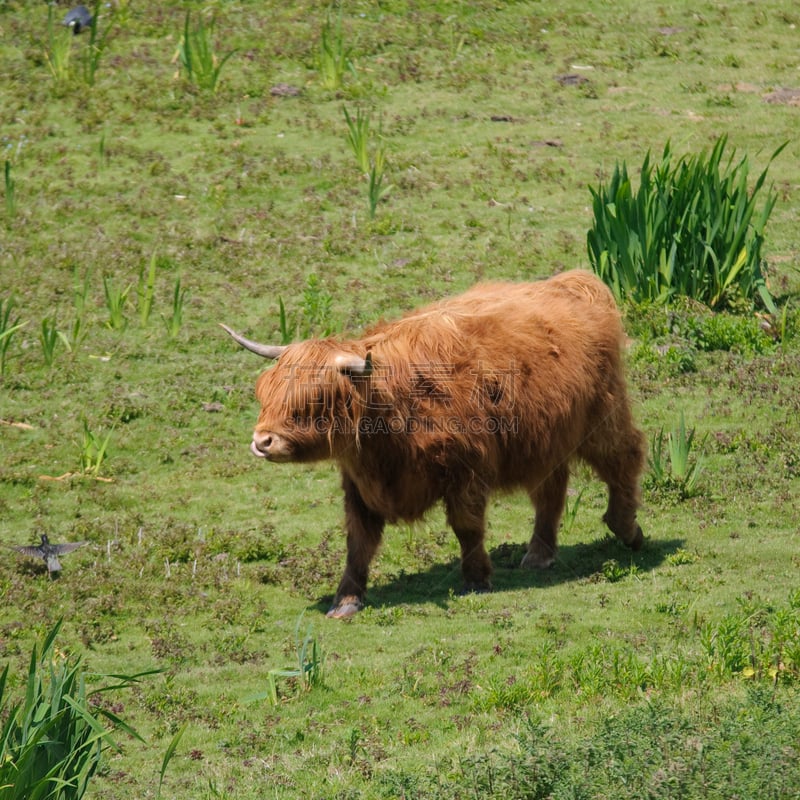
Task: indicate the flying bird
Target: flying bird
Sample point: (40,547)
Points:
(48,552)
(78,18)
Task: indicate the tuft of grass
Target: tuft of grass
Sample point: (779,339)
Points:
(691,229)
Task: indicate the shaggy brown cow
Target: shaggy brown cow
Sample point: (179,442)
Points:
(499,388)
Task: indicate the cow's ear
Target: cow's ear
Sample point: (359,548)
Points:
(354,365)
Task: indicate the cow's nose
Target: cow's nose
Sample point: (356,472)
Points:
(261,444)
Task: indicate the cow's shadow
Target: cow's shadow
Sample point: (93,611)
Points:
(606,559)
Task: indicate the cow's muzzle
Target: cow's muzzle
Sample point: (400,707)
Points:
(261,444)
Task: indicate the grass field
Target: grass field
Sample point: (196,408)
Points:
(144,205)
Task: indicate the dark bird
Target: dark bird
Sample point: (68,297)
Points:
(78,18)
(49,553)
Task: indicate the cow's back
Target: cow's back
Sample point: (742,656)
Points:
(518,373)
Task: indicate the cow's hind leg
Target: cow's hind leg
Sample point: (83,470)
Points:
(364,531)
(620,466)
(466,515)
(548,497)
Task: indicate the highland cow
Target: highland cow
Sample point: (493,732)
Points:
(499,388)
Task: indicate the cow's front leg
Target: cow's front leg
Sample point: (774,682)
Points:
(364,531)
(466,515)
(548,497)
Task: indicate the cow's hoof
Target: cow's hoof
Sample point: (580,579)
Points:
(537,560)
(346,608)
(636,542)
(473,587)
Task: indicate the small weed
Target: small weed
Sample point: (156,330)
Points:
(309,671)
(669,360)
(8,328)
(681,556)
(10,195)
(333,57)
(49,338)
(570,513)
(58,49)
(317,308)
(358,137)
(80,294)
(377,191)
(315,317)
(115,303)
(741,334)
(455,39)
(680,447)
(93,450)
(197,57)
(96,45)
(102,154)
(175,320)
(505,694)
(354,746)
(145,291)
(612,571)
(168,755)
(285,329)
(672,465)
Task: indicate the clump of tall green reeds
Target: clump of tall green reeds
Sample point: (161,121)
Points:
(52,739)
(691,228)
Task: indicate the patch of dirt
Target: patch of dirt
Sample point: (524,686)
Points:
(285,90)
(787,97)
(571,79)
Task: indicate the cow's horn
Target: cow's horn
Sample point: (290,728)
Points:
(263,350)
(353,365)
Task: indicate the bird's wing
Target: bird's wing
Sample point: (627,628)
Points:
(34,551)
(67,547)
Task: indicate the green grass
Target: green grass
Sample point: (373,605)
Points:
(671,671)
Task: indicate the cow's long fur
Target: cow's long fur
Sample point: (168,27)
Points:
(496,389)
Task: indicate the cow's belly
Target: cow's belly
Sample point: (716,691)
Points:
(401,497)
